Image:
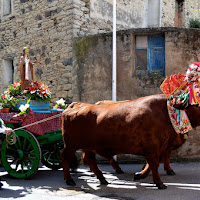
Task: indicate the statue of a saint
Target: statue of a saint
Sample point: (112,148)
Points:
(26,68)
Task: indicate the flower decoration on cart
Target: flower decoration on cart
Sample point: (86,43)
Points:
(13,95)
(37,91)
(14,90)
(182,90)
(8,101)
(33,91)
(24,109)
(60,104)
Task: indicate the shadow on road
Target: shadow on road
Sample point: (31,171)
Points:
(185,185)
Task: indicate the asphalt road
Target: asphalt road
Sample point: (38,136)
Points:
(48,184)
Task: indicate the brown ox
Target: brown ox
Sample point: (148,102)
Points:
(178,141)
(105,154)
(140,127)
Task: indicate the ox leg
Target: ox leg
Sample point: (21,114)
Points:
(154,164)
(115,165)
(66,156)
(143,174)
(112,161)
(167,167)
(91,161)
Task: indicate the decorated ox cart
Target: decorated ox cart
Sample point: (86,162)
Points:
(37,138)
(36,135)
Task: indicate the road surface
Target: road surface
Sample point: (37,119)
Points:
(48,184)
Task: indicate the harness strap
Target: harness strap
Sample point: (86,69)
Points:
(179,119)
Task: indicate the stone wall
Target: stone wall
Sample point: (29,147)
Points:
(92,74)
(95,16)
(46,28)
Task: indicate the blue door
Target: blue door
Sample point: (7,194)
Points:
(157,54)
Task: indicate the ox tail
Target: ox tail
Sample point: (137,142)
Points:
(74,163)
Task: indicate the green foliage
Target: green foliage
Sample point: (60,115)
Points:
(8,102)
(194,23)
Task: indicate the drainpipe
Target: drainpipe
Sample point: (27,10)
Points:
(114,68)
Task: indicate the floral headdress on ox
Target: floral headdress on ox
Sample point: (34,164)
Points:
(182,90)
(193,72)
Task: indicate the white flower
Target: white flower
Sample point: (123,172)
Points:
(61,102)
(23,108)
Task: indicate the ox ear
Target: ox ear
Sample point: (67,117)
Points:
(181,102)
(180,105)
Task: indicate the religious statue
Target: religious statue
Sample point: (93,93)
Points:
(26,68)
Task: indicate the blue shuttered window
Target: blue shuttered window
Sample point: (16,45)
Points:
(150,54)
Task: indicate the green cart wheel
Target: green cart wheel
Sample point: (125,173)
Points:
(51,155)
(22,159)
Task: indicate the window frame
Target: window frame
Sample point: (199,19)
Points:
(136,67)
(2,9)
(149,48)
(5,64)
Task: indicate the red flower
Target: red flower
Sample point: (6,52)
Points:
(196,63)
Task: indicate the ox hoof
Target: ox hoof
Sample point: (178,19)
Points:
(119,171)
(170,172)
(137,176)
(71,182)
(161,186)
(103,182)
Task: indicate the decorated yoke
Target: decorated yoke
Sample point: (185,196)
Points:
(182,90)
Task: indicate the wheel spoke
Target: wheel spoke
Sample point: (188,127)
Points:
(25,162)
(22,167)
(14,160)
(19,142)
(11,148)
(17,164)
(16,145)
(24,143)
(30,159)
(49,157)
(58,157)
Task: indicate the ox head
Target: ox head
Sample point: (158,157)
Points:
(183,92)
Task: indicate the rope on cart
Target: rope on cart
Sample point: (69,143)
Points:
(49,118)
(11,138)
(34,123)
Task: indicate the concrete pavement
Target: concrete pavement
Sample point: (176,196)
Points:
(49,184)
